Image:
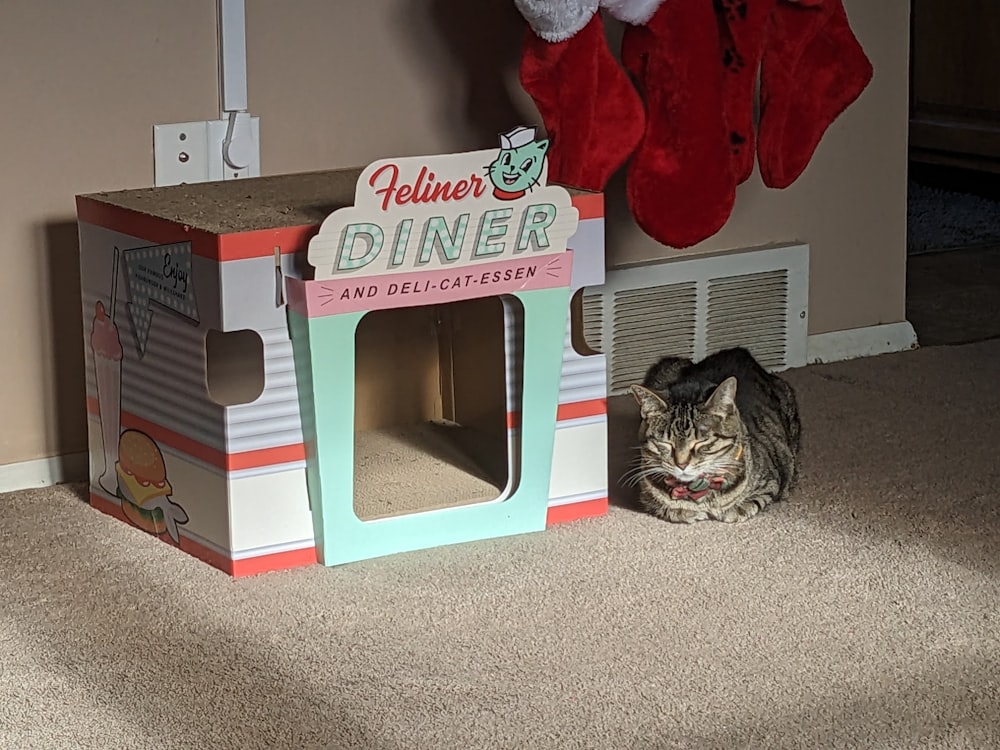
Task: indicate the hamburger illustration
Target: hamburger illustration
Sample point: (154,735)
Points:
(142,479)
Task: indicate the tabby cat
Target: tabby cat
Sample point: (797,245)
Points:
(719,438)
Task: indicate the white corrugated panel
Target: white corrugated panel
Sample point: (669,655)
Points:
(584,378)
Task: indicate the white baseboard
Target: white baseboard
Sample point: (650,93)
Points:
(44,472)
(852,343)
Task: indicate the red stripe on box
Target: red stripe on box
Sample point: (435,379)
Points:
(598,407)
(221,248)
(152,229)
(188,546)
(296,558)
(237,568)
(261,243)
(576,511)
(281,454)
(589,205)
(580,409)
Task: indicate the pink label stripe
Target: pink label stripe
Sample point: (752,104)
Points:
(334,296)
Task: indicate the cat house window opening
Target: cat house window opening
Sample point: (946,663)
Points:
(585,321)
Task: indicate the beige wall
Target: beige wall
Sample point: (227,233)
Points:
(81,87)
(338,88)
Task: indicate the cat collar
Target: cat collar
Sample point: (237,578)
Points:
(697,488)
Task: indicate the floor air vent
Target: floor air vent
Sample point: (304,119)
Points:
(691,308)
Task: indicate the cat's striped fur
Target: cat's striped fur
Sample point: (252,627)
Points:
(719,438)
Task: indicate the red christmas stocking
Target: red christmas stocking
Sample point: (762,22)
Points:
(813,68)
(591,111)
(742,27)
(680,182)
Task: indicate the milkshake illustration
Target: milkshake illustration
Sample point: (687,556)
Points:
(107,346)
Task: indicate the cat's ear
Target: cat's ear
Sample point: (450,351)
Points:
(722,402)
(542,146)
(649,402)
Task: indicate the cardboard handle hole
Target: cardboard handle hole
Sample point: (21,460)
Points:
(235,366)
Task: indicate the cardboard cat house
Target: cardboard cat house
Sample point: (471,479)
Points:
(338,365)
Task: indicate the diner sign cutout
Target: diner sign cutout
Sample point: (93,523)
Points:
(456,225)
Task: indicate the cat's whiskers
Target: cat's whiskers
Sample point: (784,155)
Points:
(636,466)
(633,476)
(728,465)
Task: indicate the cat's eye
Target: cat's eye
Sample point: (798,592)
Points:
(659,448)
(717,446)
(526,164)
(506,160)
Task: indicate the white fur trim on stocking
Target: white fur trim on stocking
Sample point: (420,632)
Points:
(635,12)
(557,20)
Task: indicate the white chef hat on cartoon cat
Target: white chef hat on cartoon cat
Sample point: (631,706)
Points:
(519,136)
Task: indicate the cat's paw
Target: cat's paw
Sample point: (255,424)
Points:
(742,512)
(684,515)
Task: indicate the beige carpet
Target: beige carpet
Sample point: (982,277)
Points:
(865,613)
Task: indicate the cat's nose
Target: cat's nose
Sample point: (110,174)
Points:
(681,462)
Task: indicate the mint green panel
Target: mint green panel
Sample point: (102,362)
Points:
(323,350)
(324,365)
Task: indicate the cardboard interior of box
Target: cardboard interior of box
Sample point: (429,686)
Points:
(431,409)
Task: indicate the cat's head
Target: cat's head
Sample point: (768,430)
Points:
(689,439)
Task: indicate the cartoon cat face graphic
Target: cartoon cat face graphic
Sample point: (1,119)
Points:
(517,169)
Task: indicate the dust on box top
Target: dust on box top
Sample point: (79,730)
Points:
(244,205)
(247,205)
